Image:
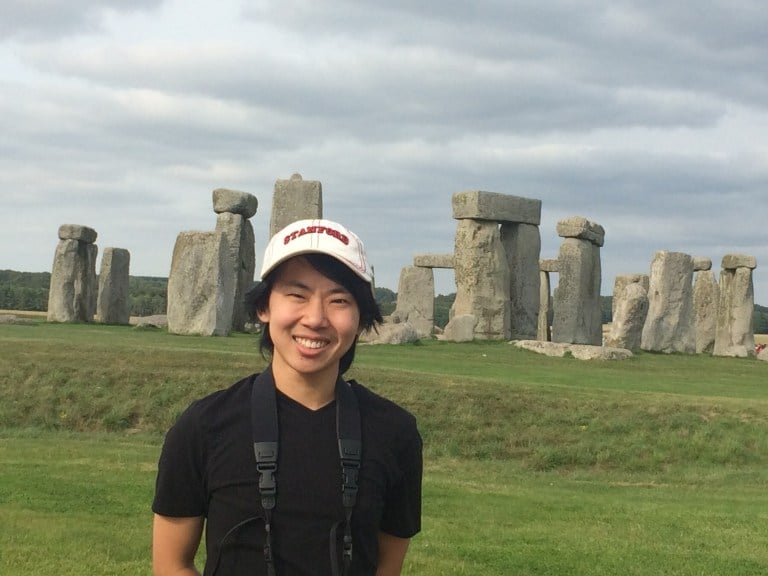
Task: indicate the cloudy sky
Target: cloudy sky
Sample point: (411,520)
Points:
(647,117)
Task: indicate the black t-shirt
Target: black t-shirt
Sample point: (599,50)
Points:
(207,468)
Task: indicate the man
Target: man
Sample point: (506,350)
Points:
(315,503)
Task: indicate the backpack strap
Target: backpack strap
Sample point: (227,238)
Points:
(264,424)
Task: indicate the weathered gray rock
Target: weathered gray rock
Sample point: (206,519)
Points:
(581,228)
(113,305)
(546,311)
(734,261)
(235,202)
(734,335)
(701,263)
(295,199)
(77,232)
(706,298)
(153,321)
(433,260)
(578,318)
(461,328)
(479,205)
(240,262)
(482,279)
(578,351)
(549,265)
(401,333)
(416,299)
(73,288)
(200,285)
(622,281)
(629,316)
(522,245)
(669,326)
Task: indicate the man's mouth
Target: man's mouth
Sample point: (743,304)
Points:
(310,342)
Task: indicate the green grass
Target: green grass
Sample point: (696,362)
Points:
(533,465)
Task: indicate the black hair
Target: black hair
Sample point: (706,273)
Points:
(257,301)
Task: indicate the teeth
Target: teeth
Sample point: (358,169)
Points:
(307,343)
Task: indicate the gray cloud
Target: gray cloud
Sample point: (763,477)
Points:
(646,117)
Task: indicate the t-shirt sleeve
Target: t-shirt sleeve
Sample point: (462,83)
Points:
(402,510)
(180,484)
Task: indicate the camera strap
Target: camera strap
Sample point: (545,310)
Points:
(266,446)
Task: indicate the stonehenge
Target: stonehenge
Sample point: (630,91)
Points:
(211,270)
(503,286)
(496,266)
(73,290)
(577,318)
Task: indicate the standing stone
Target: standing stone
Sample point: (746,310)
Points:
(416,299)
(622,281)
(735,334)
(295,199)
(630,312)
(578,317)
(200,285)
(522,244)
(114,303)
(706,298)
(546,310)
(482,281)
(240,261)
(669,326)
(73,289)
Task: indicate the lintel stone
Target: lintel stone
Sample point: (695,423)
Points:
(733,261)
(77,232)
(549,265)
(433,260)
(235,202)
(581,228)
(701,263)
(480,205)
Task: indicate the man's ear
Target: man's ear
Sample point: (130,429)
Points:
(263,316)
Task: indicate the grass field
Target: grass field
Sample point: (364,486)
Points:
(533,465)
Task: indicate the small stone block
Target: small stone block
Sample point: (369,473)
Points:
(77,232)
(549,265)
(701,263)
(581,228)
(733,261)
(235,202)
(479,205)
(433,260)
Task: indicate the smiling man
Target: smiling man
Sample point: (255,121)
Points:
(295,471)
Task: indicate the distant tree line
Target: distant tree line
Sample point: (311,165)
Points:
(29,291)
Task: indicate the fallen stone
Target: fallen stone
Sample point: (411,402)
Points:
(578,351)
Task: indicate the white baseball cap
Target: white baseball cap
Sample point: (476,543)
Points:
(317,237)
